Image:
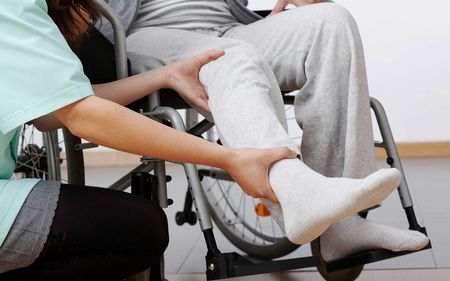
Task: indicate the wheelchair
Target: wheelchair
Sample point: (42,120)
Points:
(211,191)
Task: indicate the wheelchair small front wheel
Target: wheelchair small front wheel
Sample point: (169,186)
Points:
(182,218)
(348,274)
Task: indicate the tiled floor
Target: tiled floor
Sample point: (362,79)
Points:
(367,275)
(429,181)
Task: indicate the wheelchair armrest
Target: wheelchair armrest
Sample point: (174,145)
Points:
(120,47)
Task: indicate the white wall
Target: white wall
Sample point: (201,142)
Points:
(407,47)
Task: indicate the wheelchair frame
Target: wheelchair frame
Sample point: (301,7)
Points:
(225,265)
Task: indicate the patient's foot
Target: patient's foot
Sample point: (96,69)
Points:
(312,202)
(355,234)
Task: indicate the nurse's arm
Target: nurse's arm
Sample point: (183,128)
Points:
(109,124)
(123,92)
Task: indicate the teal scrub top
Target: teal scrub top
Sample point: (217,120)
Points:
(38,75)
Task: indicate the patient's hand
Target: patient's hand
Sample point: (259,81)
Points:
(183,78)
(250,169)
(281,4)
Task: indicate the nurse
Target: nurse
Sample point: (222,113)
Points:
(52,231)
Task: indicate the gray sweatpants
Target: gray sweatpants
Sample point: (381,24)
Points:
(314,48)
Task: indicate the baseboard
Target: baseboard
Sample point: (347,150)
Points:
(107,158)
(419,150)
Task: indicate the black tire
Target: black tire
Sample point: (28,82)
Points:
(348,274)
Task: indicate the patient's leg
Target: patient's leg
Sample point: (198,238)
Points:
(317,49)
(248,111)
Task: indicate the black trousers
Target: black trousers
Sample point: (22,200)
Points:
(98,234)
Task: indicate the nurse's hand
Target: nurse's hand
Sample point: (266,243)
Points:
(183,78)
(282,4)
(250,169)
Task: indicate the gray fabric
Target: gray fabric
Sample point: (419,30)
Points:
(28,235)
(184,14)
(240,11)
(141,63)
(320,52)
(316,49)
(128,11)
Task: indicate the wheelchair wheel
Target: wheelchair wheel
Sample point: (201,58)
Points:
(242,219)
(40,155)
(347,274)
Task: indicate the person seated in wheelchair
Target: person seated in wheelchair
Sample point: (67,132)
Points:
(53,231)
(314,48)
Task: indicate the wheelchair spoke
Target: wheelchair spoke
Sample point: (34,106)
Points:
(230,206)
(273,227)
(239,207)
(257,222)
(31,160)
(223,194)
(34,158)
(245,212)
(211,187)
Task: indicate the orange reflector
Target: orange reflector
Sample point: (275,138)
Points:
(261,210)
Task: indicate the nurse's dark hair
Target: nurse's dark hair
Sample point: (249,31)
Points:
(70,15)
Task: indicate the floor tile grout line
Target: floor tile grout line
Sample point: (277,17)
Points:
(420,214)
(189,253)
(422,218)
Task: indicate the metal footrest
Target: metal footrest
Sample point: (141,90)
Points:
(228,265)
(369,257)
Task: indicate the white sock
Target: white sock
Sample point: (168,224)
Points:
(355,234)
(311,202)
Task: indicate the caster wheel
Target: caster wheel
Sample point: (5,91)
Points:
(192,218)
(180,218)
(348,274)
